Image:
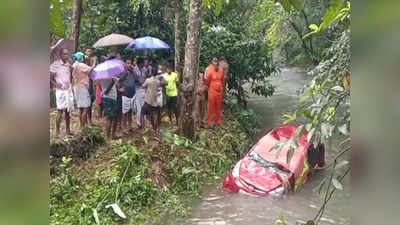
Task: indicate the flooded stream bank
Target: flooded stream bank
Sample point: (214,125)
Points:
(217,207)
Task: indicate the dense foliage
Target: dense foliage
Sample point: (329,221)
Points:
(131,17)
(146,181)
(227,35)
(285,24)
(249,60)
(249,56)
(324,108)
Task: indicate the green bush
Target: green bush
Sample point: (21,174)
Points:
(80,196)
(250,60)
(79,146)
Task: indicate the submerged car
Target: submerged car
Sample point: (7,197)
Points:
(266,171)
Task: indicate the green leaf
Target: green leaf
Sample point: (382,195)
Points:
(308,126)
(327,130)
(179,141)
(278,145)
(317,138)
(309,34)
(188,170)
(341,15)
(285,4)
(167,134)
(344,141)
(310,134)
(299,131)
(278,150)
(313,27)
(218,7)
(290,5)
(56,25)
(337,184)
(289,118)
(310,92)
(321,185)
(289,154)
(187,143)
(146,140)
(331,12)
(341,164)
(303,99)
(117,210)
(280,220)
(293,142)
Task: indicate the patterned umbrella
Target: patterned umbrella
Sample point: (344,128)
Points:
(147,43)
(108,69)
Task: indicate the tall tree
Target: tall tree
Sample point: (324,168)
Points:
(76,21)
(56,25)
(178,43)
(191,68)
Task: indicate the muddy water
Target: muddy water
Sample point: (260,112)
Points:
(217,207)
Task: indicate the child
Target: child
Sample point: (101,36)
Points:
(110,105)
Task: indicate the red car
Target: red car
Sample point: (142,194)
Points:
(262,172)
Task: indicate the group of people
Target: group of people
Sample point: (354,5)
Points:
(140,88)
(71,82)
(143,88)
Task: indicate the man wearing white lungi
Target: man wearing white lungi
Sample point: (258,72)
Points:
(80,76)
(60,78)
(142,74)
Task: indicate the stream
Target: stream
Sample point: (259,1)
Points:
(217,207)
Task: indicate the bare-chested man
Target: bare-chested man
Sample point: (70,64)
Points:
(200,104)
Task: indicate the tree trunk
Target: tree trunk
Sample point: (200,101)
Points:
(177,4)
(310,40)
(303,43)
(192,51)
(76,22)
(178,43)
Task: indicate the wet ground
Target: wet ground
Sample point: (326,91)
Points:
(217,207)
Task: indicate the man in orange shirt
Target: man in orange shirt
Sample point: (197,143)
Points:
(215,81)
(223,64)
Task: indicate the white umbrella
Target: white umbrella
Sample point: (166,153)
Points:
(113,40)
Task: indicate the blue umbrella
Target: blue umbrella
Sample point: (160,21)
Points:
(147,43)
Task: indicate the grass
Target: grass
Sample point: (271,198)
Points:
(147,179)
